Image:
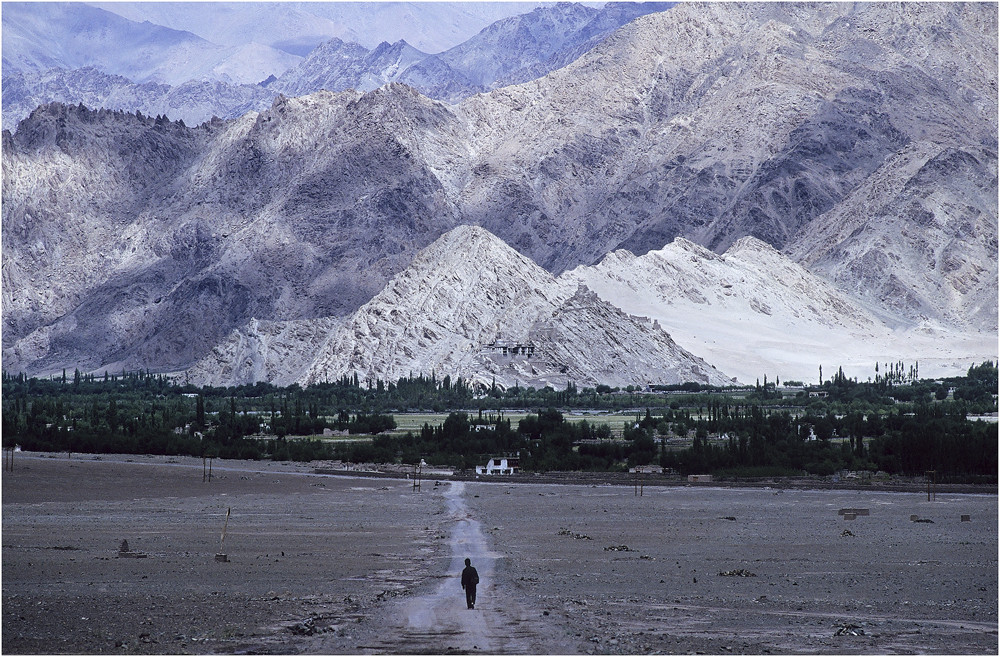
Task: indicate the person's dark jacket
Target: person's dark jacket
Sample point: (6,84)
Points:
(469,577)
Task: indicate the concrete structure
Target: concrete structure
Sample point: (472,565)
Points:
(502,348)
(500,466)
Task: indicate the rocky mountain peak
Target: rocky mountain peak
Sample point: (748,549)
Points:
(464,269)
(399,50)
(469,246)
(334,49)
(750,247)
(471,306)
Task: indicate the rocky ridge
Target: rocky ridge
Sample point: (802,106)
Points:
(192,102)
(222,221)
(467,306)
(719,121)
(938,225)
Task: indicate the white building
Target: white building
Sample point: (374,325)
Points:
(500,466)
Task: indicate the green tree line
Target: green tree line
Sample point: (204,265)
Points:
(889,424)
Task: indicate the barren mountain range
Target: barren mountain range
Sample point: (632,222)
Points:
(858,141)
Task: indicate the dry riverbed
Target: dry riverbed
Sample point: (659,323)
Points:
(346,565)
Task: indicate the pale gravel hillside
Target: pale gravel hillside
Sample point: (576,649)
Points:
(762,314)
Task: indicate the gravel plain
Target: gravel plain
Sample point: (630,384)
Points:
(345,564)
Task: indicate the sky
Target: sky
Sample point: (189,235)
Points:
(428,26)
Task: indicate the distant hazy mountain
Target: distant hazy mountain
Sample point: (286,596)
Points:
(858,139)
(38,36)
(511,50)
(298,27)
(76,53)
(38,70)
(291,27)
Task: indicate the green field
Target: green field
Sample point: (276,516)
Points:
(414,421)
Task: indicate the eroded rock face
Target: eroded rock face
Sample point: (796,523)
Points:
(860,140)
(929,255)
(131,240)
(723,121)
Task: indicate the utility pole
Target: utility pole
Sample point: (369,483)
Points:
(417,470)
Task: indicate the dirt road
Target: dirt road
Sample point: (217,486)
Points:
(436,620)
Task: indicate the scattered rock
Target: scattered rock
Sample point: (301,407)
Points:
(740,572)
(849,629)
(308,627)
(579,537)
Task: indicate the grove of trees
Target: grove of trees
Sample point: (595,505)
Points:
(896,424)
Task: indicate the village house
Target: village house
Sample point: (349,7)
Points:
(500,466)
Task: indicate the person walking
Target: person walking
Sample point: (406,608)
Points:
(469,580)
